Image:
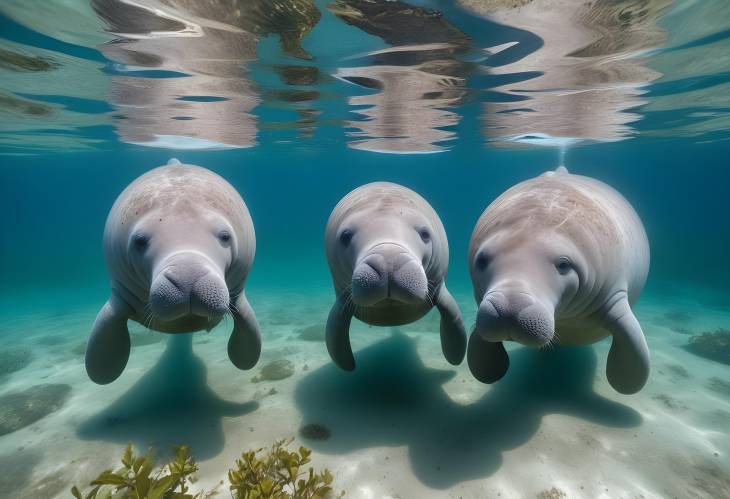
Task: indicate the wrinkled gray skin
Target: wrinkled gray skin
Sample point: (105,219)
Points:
(388,255)
(179,243)
(559,259)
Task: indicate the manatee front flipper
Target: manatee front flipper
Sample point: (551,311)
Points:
(488,361)
(453,334)
(628,363)
(338,335)
(107,350)
(244,345)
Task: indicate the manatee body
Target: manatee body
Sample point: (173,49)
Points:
(388,255)
(559,259)
(179,243)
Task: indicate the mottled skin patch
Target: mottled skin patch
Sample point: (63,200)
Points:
(182,195)
(156,191)
(559,258)
(179,243)
(590,214)
(389,200)
(388,255)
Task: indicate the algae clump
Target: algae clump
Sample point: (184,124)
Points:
(137,480)
(274,474)
(279,474)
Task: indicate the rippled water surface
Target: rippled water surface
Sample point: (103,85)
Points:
(379,75)
(297,102)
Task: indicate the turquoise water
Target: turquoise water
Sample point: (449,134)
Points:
(457,101)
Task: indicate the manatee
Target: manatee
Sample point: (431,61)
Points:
(559,259)
(388,255)
(179,243)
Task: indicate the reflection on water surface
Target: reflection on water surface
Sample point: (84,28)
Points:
(389,76)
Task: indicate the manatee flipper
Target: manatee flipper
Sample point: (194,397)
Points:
(628,363)
(453,333)
(244,345)
(107,350)
(338,335)
(488,361)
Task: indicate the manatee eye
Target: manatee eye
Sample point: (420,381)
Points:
(224,236)
(563,265)
(481,262)
(425,234)
(346,237)
(141,241)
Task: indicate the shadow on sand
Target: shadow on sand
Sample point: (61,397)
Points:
(392,399)
(170,405)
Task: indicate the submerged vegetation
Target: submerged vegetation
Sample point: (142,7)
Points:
(276,473)
(136,479)
(279,473)
(712,345)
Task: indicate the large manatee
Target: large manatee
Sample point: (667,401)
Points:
(179,243)
(559,259)
(388,254)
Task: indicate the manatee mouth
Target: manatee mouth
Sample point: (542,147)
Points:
(516,317)
(391,275)
(188,290)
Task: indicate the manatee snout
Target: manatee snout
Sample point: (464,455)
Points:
(516,316)
(389,271)
(188,285)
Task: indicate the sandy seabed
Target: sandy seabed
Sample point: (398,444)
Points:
(405,424)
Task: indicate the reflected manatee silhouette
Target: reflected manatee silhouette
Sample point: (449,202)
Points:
(419,79)
(207,100)
(392,399)
(591,72)
(170,405)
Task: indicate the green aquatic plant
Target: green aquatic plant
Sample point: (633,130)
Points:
(273,474)
(279,474)
(712,345)
(137,478)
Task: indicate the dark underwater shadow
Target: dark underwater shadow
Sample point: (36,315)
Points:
(392,399)
(170,405)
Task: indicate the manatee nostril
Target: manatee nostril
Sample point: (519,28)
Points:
(366,276)
(497,301)
(170,276)
(374,268)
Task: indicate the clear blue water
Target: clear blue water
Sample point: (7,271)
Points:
(457,103)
